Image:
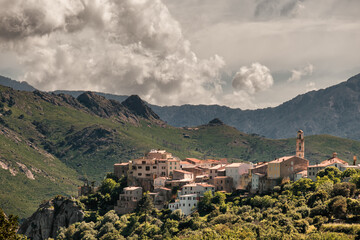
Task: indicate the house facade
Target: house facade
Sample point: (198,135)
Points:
(128,200)
(186,203)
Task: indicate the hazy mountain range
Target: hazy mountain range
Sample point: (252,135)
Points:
(334,110)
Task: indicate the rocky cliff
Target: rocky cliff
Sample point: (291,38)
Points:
(51,215)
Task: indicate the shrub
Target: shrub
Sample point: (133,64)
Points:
(341,228)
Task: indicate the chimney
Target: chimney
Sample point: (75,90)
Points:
(334,155)
(355,158)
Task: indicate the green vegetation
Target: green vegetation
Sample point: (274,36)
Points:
(8,227)
(62,143)
(298,210)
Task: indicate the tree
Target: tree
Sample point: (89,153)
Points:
(332,173)
(145,204)
(356,180)
(8,226)
(303,186)
(219,198)
(205,206)
(348,173)
(338,207)
(344,189)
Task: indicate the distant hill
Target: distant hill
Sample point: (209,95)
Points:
(22,86)
(50,142)
(334,110)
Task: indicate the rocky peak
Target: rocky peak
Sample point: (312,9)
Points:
(139,107)
(51,215)
(105,108)
(215,122)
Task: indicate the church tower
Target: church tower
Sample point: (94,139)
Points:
(300,144)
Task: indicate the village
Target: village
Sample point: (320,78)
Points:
(180,184)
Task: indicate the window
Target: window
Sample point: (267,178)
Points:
(148,175)
(154,167)
(189,205)
(139,174)
(170,168)
(139,167)
(147,168)
(183,204)
(143,162)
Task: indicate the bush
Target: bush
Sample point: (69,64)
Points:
(338,207)
(341,228)
(344,189)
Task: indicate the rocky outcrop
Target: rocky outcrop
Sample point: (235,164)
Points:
(139,108)
(56,213)
(106,108)
(215,122)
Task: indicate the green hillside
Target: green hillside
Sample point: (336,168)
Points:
(63,140)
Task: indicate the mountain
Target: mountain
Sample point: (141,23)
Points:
(22,86)
(334,110)
(50,142)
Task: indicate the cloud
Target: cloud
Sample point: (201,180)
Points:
(297,74)
(122,47)
(253,79)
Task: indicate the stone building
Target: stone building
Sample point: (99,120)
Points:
(181,174)
(286,167)
(334,161)
(121,169)
(235,170)
(128,200)
(223,183)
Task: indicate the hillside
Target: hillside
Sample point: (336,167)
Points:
(334,111)
(61,140)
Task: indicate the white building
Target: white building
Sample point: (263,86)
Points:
(255,181)
(197,188)
(235,170)
(186,203)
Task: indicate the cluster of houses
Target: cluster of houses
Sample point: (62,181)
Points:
(180,184)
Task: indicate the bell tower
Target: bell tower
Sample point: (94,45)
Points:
(300,144)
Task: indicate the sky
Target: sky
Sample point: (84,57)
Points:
(240,53)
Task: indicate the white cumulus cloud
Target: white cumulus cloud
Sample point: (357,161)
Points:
(121,47)
(252,79)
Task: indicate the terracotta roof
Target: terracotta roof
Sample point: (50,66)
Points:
(304,172)
(121,164)
(282,159)
(260,165)
(217,167)
(131,188)
(161,178)
(329,162)
(194,160)
(260,174)
(182,171)
(205,185)
(222,177)
(185,162)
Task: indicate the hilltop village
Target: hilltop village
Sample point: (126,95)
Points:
(180,184)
